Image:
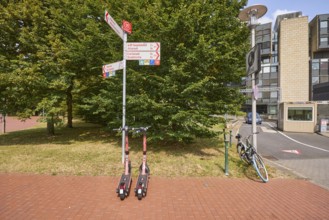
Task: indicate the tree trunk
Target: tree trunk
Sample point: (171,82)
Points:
(51,126)
(69,103)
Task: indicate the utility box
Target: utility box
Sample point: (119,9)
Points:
(324,125)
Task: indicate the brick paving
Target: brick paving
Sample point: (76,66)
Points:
(25,196)
(14,124)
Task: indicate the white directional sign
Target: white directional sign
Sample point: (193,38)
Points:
(113,67)
(142,46)
(113,25)
(143,55)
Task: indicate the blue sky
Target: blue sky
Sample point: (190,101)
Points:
(308,8)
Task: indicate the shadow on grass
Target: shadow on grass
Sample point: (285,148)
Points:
(63,136)
(84,132)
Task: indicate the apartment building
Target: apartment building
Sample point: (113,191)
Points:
(319,55)
(294,72)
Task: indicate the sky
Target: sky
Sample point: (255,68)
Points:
(308,8)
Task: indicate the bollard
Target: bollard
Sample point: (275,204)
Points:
(224,131)
(226,158)
(230,138)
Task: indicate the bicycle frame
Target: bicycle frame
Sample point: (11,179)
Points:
(248,153)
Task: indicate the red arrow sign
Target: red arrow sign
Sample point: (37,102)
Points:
(142,55)
(143,46)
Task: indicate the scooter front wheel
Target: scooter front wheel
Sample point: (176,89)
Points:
(139,196)
(122,196)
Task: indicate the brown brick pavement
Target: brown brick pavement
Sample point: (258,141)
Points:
(14,124)
(71,197)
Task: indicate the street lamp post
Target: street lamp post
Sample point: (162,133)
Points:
(252,14)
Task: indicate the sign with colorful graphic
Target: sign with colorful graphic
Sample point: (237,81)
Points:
(149,62)
(109,69)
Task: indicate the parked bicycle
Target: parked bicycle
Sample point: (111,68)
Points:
(248,154)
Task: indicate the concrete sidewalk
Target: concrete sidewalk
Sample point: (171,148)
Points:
(71,197)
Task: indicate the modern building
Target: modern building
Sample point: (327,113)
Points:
(319,55)
(294,71)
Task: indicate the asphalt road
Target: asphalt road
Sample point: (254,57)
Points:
(304,154)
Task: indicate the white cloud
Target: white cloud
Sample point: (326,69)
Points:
(280,12)
(265,19)
(272,17)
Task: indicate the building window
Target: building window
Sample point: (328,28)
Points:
(266,69)
(324,71)
(315,67)
(274,94)
(265,60)
(274,58)
(275,47)
(323,24)
(266,75)
(324,41)
(274,75)
(324,79)
(300,113)
(315,80)
(272,110)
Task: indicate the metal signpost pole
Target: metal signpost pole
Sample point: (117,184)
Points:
(124,96)
(251,14)
(253,100)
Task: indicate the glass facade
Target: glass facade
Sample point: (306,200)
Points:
(300,113)
(319,53)
(320,71)
(267,82)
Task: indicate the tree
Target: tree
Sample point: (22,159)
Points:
(203,45)
(54,49)
(48,46)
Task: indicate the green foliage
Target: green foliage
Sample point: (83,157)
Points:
(54,49)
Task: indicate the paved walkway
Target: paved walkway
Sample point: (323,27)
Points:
(72,197)
(14,124)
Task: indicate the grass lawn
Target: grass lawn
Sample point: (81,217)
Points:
(92,150)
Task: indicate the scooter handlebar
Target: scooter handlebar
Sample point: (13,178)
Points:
(126,128)
(141,129)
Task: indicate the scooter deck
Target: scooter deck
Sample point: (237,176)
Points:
(142,183)
(125,180)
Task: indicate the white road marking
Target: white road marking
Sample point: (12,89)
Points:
(298,142)
(265,129)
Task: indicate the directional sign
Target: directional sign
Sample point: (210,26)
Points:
(143,55)
(113,67)
(142,46)
(113,24)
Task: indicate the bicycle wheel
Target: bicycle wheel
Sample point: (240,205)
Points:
(242,153)
(259,166)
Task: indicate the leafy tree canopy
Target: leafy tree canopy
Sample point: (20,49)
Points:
(55,49)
